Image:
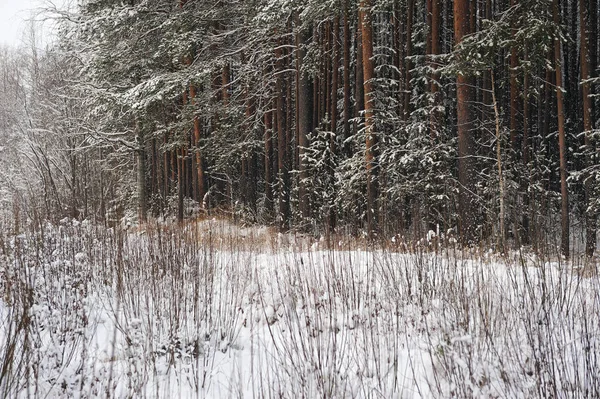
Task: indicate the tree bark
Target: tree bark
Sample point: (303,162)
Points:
(465,146)
(590,215)
(180,196)
(501,216)
(347,93)
(268,121)
(225,81)
(166,163)
(526,149)
(359,88)
(153,168)
(407,88)
(316,85)
(283,199)
(514,90)
(334,117)
(141,166)
(289,117)
(326,90)
(200,185)
(305,108)
(370,133)
(436,22)
(564,246)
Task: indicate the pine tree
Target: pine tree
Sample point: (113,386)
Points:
(465,140)
(366,18)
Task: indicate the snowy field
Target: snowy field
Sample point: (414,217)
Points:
(214,311)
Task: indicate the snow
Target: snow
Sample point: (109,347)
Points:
(211,310)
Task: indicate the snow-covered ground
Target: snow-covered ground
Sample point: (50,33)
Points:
(214,311)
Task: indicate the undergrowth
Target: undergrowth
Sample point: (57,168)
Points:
(212,310)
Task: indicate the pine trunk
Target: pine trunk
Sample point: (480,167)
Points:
(564,246)
(281,142)
(200,186)
(525,236)
(141,177)
(370,133)
(436,22)
(359,88)
(514,89)
(590,215)
(268,120)
(334,117)
(180,195)
(465,146)
(347,92)
(408,67)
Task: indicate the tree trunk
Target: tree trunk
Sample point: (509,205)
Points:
(247,184)
(593,48)
(436,22)
(268,120)
(472,16)
(409,27)
(347,93)
(326,89)
(359,88)
(153,168)
(200,186)
(465,146)
(142,189)
(397,58)
(370,134)
(316,89)
(304,120)
(281,142)
(590,215)
(166,163)
(514,89)
(564,246)
(225,84)
(501,216)
(289,132)
(526,149)
(296,149)
(428,18)
(334,117)
(180,195)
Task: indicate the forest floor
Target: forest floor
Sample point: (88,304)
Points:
(216,311)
